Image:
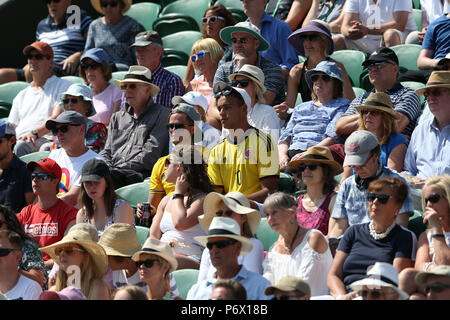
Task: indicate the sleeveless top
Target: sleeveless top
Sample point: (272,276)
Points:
(430,242)
(314,220)
(303,87)
(109,221)
(394,140)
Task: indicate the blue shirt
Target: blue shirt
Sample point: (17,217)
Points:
(394,140)
(437,37)
(310,123)
(429,150)
(276,33)
(253,282)
(15,181)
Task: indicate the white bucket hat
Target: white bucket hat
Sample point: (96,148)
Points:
(193,98)
(159,248)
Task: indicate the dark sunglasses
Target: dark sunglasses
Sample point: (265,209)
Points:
(318,76)
(224,92)
(112,4)
(212,19)
(435,93)
(433,198)
(382,198)
(243,83)
(227,213)
(38,56)
(64,128)
(5,251)
(200,55)
(374,112)
(436,287)
(50,1)
(132,86)
(147,263)
(240,40)
(68,250)
(311,167)
(42,176)
(92,65)
(177,125)
(73,100)
(220,244)
(376,293)
(310,37)
(377,65)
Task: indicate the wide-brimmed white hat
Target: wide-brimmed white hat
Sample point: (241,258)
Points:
(80,90)
(159,248)
(139,74)
(235,201)
(381,274)
(228,228)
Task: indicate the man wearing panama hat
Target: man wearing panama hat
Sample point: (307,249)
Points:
(225,244)
(131,153)
(429,149)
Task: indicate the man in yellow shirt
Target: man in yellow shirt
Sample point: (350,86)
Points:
(245,160)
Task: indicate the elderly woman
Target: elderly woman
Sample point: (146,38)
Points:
(316,169)
(155,262)
(236,206)
(313,122)
(114,32)
(96,72)
(434,243)
(380,240)
(314,42)
(298,252)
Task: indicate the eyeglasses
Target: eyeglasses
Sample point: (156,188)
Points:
(227,213)
(38,56)
(177,125)
(224,92)
(436,287)
(199,55)
(309,37)
(433,198)
(382,198)
(375,293)
(68,250)
(220,244)
(374,112)
(377,65)
(50,1)
(243,83)
(112,4)
(211,19)
(42,176)
(147,263)
(132,86)
(435,93)
(64,128)
(311,167)
(315,77)
(93,65)
(240,40)
(73,100)
(5,251)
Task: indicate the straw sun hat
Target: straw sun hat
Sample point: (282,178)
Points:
(98,8)
(437,79)
(120,239)
(378,101)
(318,155)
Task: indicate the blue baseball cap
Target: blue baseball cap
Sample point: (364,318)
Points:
(327,67)
(97,54)
(6,128)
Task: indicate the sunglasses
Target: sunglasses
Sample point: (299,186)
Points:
(435,93)
(382,198)
(177,125)
(211,19)
(93,65)
(112,4)
(64,128)
(311,167)
(199,55)
(377,65)
(374,112)
(147,263)
(309,37)
(243,83)
(376,293)
(132,86)
(315,77)
(73,100)
(50,1)
(5,251)
(68,250)
(42,176)
(227,213)
(436,287)
(240,40)
(224,92)
(38,56)
(433,198)
(220,244)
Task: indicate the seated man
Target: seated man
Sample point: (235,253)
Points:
(293,12)
(137,134)
(247,159)
(436,282)
(35,104)
(368,25)
(329,11)
(428,152)
(70,128)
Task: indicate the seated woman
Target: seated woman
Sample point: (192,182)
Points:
(176,219)
(316,169)
(312,123)
(114,32)
(236,206)
(314,42)
(96,72)
(378,116)
(380,240)
(298,252)
(101,206)
(79,250)
(434,243)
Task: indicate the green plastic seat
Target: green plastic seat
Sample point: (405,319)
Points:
(174,58)
(4,111)
(179,70)
(301,59)
(415,85)
(236,8)
(352,61)
(145,13)
(416,4)
(34,156)
(135,193)
(73,79)
(142,233)
(195,9)
(407,55)
(181,41)
(416,224)
(358,91)
(265,234)
(118,75)
(286,183)
(173,23)
(417,13)
(9,90)
(185,279)
(299,99)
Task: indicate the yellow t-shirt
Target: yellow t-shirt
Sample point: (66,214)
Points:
(240,166)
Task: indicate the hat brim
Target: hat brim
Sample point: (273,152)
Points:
(335,166)
(295,39)
(421,91)
(155,88)
(389,111)
(91,177)
(232,76)
(98,8)
(209,211)
(171,259)
(376,283)
(247,245)
(225,35)
(355,160)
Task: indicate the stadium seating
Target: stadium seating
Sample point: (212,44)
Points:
(185,279)
(358,91)
(352,61)
(407,55)
(417,13)
(34,156)
(265,234)
(134,193)
(179,70)
(195,9)
(235,6)
(142,233)
(145,13)
(180,44)
(73,79)
(173,23)
(9,90)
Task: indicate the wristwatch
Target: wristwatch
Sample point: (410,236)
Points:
(178,195)
(35,133)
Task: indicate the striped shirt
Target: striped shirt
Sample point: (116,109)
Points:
(404,100)
(65,40)
(170,85)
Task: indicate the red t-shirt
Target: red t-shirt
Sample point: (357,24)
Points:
(47,226)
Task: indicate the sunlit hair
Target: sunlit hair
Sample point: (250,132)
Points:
(106,71)
(10,217)
(220,11)
(399,189)
(212,46)
(279,200)
(441,182)
(387,121)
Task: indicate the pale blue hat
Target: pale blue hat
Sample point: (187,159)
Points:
(327,67)
(80,90)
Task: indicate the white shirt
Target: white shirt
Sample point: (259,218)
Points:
(32,106)
(433,9)
(25,289)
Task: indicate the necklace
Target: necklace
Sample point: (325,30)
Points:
(382,235)
(293,239)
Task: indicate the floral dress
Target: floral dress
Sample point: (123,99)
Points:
(32,259)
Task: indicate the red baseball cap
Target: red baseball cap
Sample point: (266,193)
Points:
(48,165)
(41,47)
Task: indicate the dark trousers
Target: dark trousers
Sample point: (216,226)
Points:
(124,177)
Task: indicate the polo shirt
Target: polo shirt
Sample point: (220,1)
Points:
(170,85)
(15,181)
(437,37)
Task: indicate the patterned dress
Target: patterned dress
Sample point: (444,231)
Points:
(314,220)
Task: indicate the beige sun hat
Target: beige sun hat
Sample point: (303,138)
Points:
(235,201)
(120,239)
(159,248)
(441,270)
(289,284)
(86,236)
(437,79)
(252,72)
(378,101)
(320,155)
(98,8)
(139,74)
